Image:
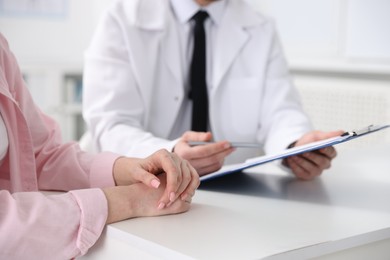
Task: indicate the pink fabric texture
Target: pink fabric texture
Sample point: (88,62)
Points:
(34,225)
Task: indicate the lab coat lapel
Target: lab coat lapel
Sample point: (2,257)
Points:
(152,19)
(174,86)
(231,38)
(145,38)
(171,52)
(156,18)
(159,41)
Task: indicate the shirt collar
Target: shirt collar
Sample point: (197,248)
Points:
(186,9)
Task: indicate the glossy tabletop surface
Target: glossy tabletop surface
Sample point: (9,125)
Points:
(267,213)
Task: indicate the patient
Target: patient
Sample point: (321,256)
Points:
(100,189)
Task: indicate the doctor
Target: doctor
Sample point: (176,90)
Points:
(140,78)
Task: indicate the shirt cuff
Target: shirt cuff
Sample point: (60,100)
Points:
(94,211)
(170,146)
(101,175)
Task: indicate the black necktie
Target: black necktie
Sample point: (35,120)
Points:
(198,94)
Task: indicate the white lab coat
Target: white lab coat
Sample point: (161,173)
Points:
(134,87)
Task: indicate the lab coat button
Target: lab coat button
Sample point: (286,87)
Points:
(176,98)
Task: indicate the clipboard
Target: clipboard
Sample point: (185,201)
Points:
(345,137)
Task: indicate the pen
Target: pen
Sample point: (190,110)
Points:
(233,144)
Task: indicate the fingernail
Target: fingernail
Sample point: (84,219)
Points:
(172,196)
(155,183)
(227,145)
(161,205)
(184,196)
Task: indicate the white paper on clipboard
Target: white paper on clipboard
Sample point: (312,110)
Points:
(347,136)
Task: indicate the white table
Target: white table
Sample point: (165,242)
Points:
(344,214)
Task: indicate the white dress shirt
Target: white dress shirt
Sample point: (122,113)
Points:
(3,140)
(184,10)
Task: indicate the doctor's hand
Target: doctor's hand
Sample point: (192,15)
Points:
(310,165)
(181,178)
(205,158)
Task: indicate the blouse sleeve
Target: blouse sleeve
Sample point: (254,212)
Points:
(38,226)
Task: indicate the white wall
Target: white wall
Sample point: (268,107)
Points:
(49,49)
(349,34)
(346,35)
(52,39)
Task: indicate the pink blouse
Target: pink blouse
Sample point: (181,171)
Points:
(32,225)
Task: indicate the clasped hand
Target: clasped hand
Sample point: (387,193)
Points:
(159,184)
